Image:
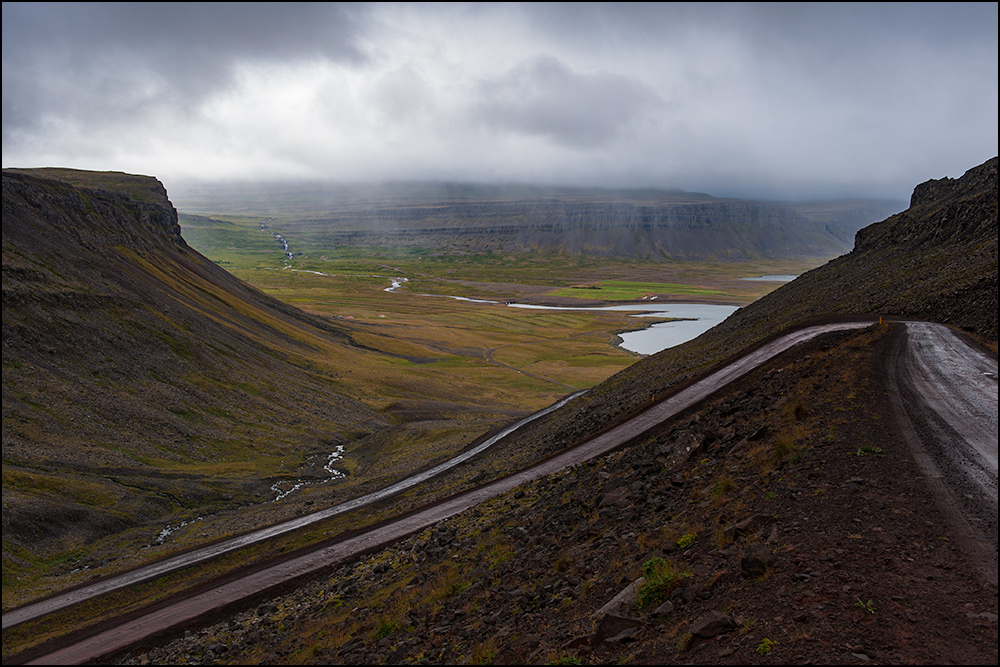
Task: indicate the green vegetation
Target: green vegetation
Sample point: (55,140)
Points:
(385,627)
(868,606)
(444,340)
(764,648)
(661,576)
(623,290)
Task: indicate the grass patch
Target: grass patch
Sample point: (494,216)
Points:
(661,577)
(624,290)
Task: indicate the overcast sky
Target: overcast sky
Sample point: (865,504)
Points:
(756,100)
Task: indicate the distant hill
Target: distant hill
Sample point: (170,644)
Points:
(935,261)
(644,224)
(127,355)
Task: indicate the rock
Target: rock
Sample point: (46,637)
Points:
(711,624)
(752,524)
(624,601)
(664,609)
(688,445)
(739,446)
(577,642)
(623,637)
(691,592)
(615,498)
(756,560)
(612,626)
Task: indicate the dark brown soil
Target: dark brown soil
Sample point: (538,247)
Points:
(866,566)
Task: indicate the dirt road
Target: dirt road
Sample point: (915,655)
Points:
(931,352)
(944,395)
(209,551)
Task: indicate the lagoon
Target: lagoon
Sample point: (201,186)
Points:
(774,278)
(693,319)
(690,319)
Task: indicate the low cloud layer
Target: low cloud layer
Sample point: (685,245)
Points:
(767,101)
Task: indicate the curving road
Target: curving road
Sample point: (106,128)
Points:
(931,355)
(180,561)
(944,396)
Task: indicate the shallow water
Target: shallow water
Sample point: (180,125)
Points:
(696,319)
(774,278)
(693,319)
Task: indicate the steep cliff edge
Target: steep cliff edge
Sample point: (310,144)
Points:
(643,224)
(140,380)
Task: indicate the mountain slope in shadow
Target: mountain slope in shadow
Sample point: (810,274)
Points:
(139,378)
(783,519)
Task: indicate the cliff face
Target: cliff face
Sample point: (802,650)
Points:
(646,224)
(125,352)
(719,229)
(145,220)
(947,211)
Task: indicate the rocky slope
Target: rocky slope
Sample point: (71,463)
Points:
(132,365)
(797,530)
(935,261)
(783,521)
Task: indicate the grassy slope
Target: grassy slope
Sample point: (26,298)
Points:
(144,385)
(803,439)
(141,383)
(681,360)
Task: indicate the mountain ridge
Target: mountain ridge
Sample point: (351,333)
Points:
(572,537)
(783,520)
(647,224)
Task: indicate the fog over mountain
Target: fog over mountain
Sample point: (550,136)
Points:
(760,101)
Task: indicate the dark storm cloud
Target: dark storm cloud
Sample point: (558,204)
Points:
(546,98)
(100,62)
(746,99)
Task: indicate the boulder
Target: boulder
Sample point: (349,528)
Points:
(711,624)
(756,560)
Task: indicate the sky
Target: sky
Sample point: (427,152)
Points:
(763,101)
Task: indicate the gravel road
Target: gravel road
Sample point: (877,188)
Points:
(944,394)
(959,384)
